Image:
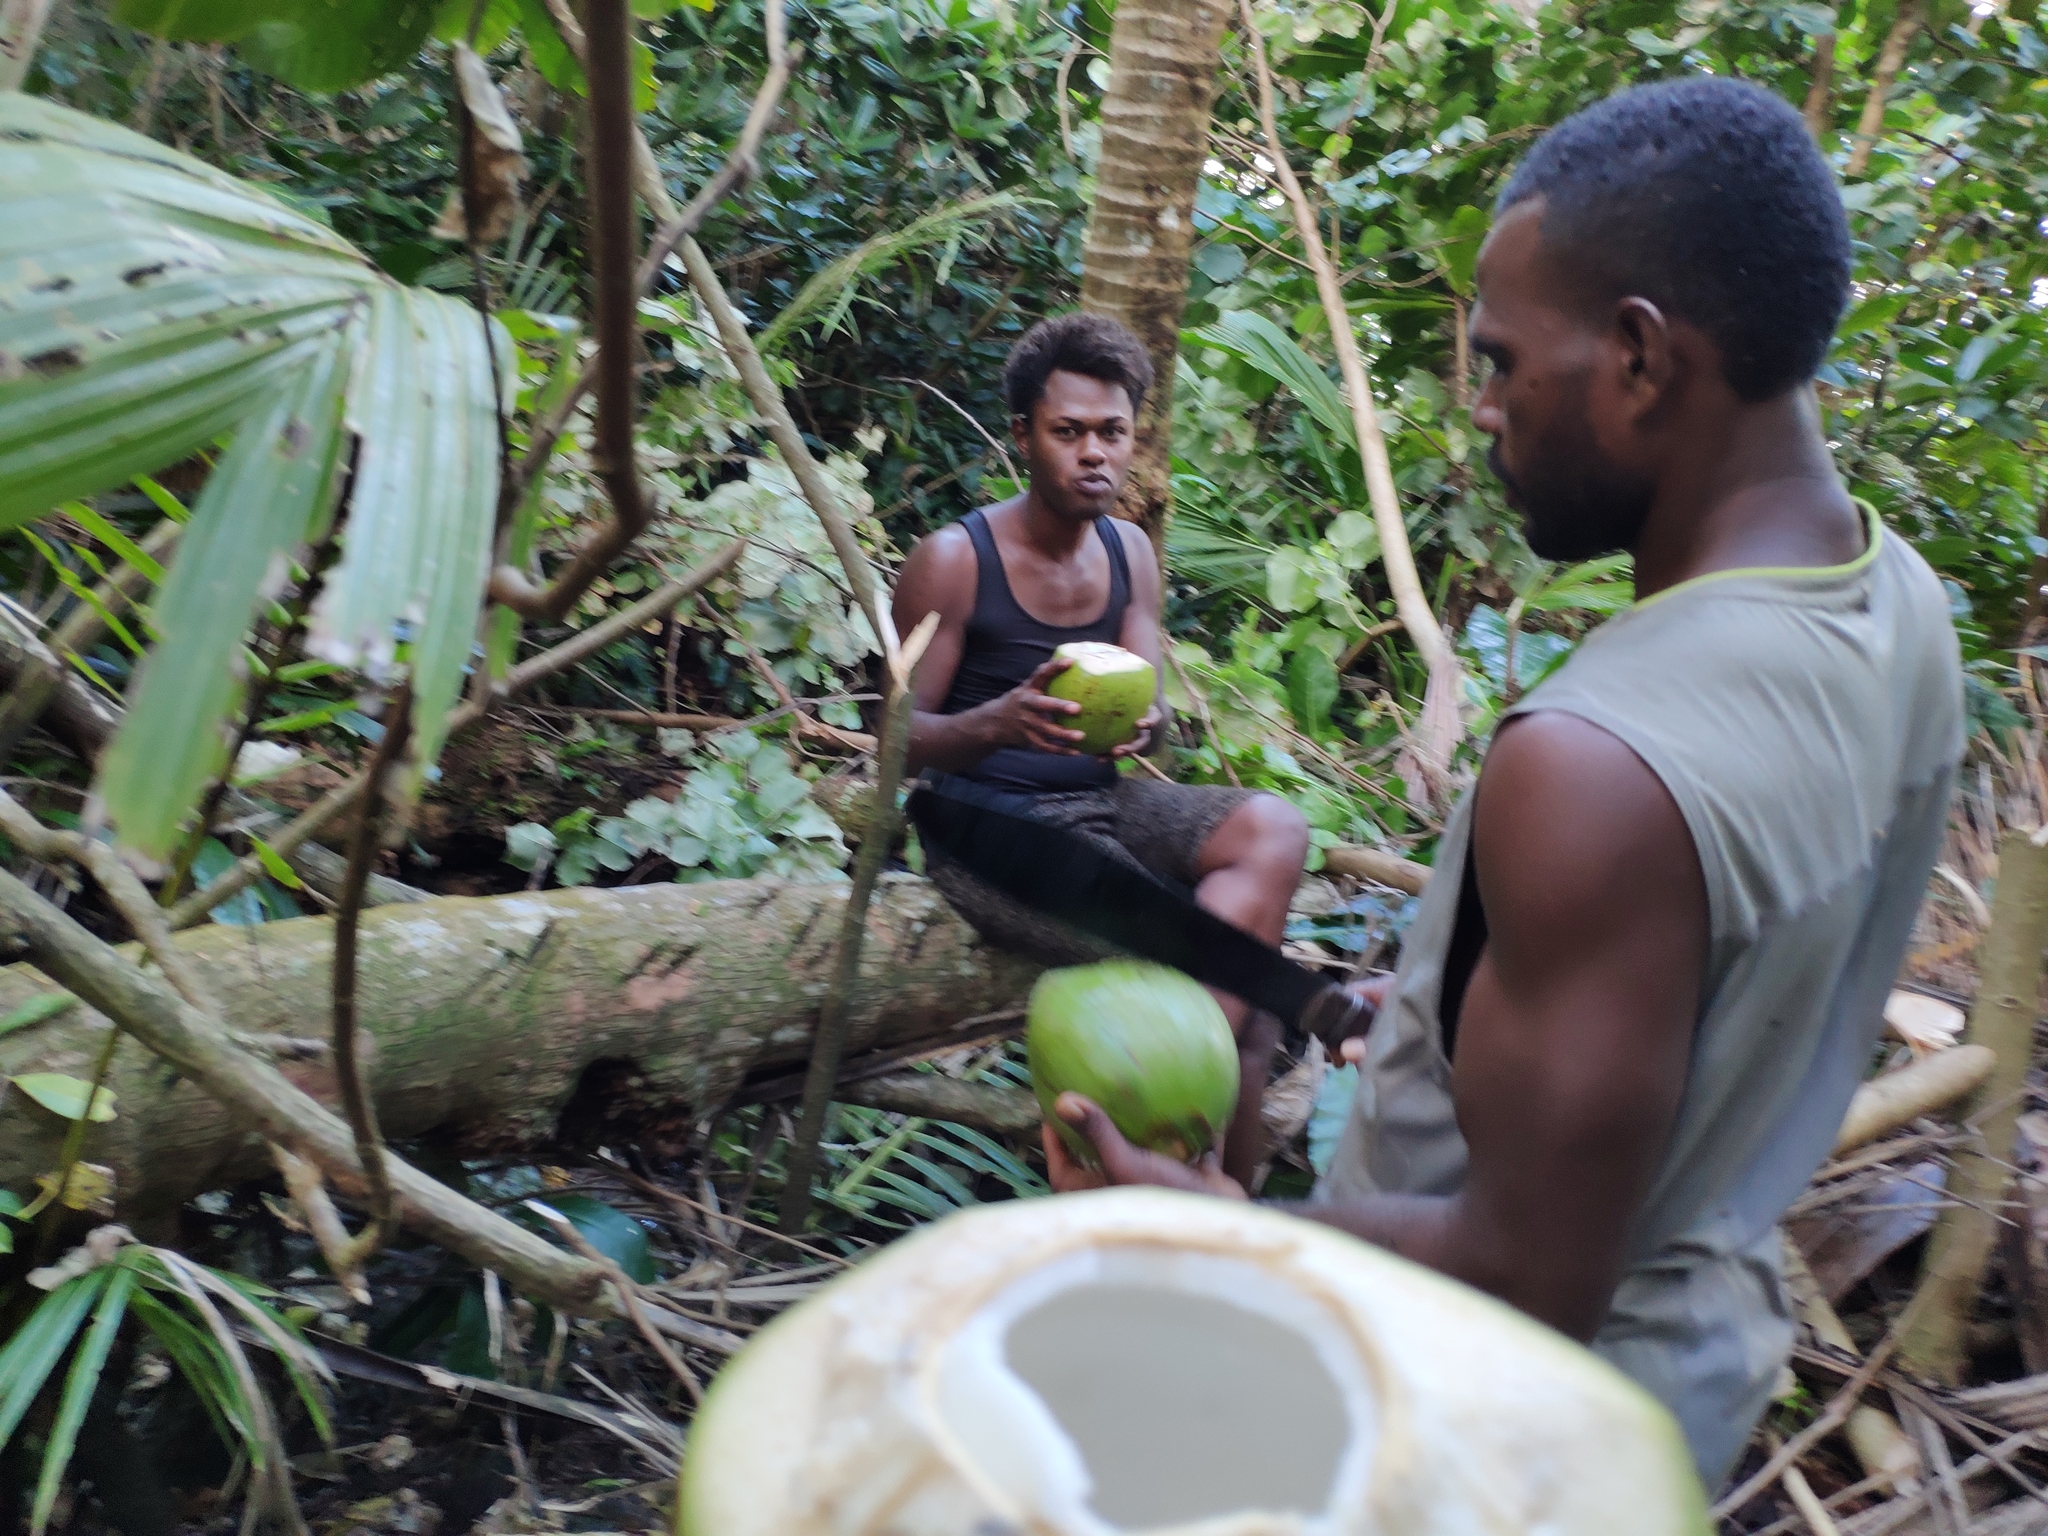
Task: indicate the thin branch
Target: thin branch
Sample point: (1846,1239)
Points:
(740,167)
(629,1295)
(308,1190)
(967,416)
(1831,1418)
(829,1044)
(617,626)
(613,236)
(768,401)
(337,802)
(1409,599)
(355,1098)
(123,889)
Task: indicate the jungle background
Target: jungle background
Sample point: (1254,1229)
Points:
(689,714)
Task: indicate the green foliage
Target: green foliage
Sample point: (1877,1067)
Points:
(315,45)
(1934,392)
(743,810)
(187,1309)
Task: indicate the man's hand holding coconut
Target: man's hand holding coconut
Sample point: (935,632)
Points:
(1650,969)
(1043,675)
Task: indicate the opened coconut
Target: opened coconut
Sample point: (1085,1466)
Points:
(1146,1043)
(1142,1361)
(1113,686)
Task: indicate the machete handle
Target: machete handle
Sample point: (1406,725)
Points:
(1335,1015)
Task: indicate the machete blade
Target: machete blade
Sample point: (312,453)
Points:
(1065,876)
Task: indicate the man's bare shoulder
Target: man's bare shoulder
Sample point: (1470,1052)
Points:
(942,560)
(1574,832)
(1144,560)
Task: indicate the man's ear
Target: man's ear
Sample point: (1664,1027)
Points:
(1647,353)
(1020,432)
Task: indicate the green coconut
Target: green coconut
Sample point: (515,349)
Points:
(1145,1361)
(1113,686)
(1143,1041)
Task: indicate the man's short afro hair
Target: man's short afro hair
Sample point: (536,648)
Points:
(1094,345)
(1707,197)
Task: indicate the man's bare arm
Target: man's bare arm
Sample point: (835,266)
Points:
(1573,1041)
(939,577)
(1141,634)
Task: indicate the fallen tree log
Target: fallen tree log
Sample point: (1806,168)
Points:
(507,1024)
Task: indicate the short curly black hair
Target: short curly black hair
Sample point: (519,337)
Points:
(1707,197)
(1094,345)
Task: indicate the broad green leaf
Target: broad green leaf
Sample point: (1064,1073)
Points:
(1258,341)
(417,548)
(147,304)
(1312,688)
(552,56)
(198,21)
(247,905)
(64,1095)
(610,1231)
(151,304)
(273,861)
(45,1005)
(79,1387)
(1460,252)
(315,45)
(262,501)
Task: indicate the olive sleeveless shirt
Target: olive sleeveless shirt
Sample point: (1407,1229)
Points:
(1808,723)
(1004,645)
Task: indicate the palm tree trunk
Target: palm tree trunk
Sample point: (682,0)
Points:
(1820,98)
(1890,60)
(1155,136)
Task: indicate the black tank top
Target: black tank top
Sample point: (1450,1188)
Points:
(1005,645)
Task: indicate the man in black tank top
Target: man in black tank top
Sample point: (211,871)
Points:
(1013,581)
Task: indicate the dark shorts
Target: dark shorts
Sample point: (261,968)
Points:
(1142,821)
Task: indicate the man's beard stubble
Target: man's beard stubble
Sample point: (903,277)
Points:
(1575,503)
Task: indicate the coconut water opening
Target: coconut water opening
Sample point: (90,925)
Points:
(1182,1406)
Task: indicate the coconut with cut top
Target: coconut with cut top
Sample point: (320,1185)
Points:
(1139,1362)
(1113,686)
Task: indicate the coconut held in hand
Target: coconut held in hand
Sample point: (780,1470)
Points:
(1144,1361)
(1113,686)
(1146,1043)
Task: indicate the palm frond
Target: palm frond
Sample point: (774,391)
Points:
(1258,341)
(837,283)
(150,305)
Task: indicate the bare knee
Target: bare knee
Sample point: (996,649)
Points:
(1266,832)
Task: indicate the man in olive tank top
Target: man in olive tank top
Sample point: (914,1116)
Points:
(1013,581)
(1651,966)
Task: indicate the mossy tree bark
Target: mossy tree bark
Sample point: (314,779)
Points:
(1163,58)
(509,1024)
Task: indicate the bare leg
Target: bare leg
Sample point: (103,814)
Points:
(1250,867)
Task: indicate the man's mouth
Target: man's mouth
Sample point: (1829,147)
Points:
(1507,481)
(1093,485)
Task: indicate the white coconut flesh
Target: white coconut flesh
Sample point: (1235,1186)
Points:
(1098,658)
(1135,1362)
(1137,1390)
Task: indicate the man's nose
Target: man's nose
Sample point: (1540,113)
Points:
(1487,414)
(1093,450)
